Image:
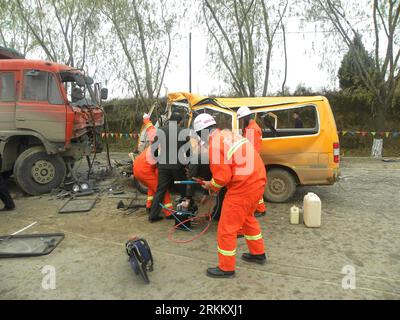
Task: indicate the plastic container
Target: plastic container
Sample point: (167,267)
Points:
(295,215)
(312,211)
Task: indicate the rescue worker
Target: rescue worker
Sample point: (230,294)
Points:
(253,133)
(145,169)
(235,165)
(4,194)
(170,169)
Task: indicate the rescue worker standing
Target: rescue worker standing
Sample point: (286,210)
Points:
(169,167)
(235,165)
(4,194)
(253,133)
(145,169)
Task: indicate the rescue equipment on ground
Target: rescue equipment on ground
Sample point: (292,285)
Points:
(312,210)
(186,209)
(140,257)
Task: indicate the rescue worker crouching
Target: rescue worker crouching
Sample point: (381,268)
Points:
(235,165)
(253,133)
(145,170)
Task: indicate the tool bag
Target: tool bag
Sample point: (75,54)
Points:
(140,257)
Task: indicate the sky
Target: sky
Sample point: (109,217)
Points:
(304,63)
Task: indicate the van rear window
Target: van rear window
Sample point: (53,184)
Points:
(289,122)
(7,87)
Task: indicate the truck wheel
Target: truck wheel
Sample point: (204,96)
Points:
(280,187)
(140,187)
(37,173)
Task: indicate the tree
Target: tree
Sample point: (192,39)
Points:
(13,33)
(349,75)
(144,31)
(243,32)
(64,30)
(384,21)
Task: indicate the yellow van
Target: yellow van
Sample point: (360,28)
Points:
(294,155)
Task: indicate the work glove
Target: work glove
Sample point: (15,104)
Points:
(146,116)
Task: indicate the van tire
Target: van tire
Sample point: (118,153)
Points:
(281,186)
(34,159)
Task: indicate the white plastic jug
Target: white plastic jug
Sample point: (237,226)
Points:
(312,210)
(295,215)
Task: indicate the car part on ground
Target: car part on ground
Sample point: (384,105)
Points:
(19,246)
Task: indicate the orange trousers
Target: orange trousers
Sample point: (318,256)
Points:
(238,213)
(150,180)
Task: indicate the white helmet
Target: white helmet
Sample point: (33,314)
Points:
(243,112)
(203,121)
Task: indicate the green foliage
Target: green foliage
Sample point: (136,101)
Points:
(349,74)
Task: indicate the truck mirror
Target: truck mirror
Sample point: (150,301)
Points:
(104,94)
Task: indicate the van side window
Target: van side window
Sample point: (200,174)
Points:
(291,122)
(7,87)
(41,86)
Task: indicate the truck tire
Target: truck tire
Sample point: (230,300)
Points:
(281,186)
(37,173)
(140,187)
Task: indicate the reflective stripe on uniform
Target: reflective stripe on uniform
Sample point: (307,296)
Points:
(254,238)
(226,252)
(235,147)
(150,198)
(216,185)
(148,126)
(168,205)
(261,201)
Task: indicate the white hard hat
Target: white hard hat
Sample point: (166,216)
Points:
(203,121)
(243,112)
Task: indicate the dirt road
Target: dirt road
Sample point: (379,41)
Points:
(360,232)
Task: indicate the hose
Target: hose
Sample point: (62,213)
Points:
(209,215)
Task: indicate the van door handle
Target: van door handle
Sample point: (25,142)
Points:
(20,119)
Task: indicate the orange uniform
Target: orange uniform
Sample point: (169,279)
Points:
(254,134)
(235,165)
(145,170)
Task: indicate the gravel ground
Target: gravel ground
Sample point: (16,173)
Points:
(360,232)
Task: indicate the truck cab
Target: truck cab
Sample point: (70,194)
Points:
(50,117)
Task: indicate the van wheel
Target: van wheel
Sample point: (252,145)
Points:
(280,187)
(37,173)
(140,187)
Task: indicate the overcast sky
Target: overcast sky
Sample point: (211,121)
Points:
(307,64)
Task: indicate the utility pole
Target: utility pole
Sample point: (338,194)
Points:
(190,62)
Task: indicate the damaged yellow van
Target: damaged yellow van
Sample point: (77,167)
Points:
(296,153)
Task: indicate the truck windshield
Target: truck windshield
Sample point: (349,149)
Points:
(80,93)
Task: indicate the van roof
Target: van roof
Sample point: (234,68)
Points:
(195,100)
(18,64)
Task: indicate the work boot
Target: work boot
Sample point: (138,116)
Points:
(155,219)
(218,273)
(259,214)
(7,209)
(258,258)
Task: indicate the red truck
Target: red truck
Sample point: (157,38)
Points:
(50,117)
